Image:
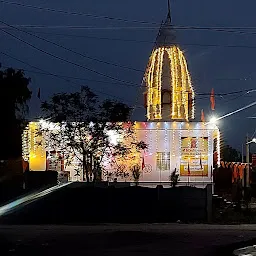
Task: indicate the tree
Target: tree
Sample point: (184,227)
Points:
(128,155)
(230,154)
(87,130)
(14,95)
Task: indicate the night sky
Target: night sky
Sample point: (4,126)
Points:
(213,63)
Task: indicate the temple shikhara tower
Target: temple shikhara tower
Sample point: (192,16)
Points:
(169,95)
(176,141)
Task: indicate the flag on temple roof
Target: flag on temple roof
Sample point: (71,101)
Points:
(212,99)
(39,93)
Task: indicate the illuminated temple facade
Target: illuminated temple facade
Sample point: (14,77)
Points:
(176,142)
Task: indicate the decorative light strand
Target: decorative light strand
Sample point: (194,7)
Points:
(157,139)
(184,86)
(157,113)
(25,144)
(190,88)
(210,144)
(150,77)
(150,140)
(146,138)
(165,138)
(173,143)
(218,146)
(180,152)
(177,89)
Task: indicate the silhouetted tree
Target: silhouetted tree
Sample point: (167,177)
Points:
(229,154)
(85,126)
(14,95)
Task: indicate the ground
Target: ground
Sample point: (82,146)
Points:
(145,239)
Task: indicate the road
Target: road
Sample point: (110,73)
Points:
(144,239)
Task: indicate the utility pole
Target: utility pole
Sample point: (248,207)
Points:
(242,156)
(247,181)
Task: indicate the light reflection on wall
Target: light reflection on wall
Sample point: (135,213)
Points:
(37,154)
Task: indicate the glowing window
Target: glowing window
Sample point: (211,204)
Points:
(163,161)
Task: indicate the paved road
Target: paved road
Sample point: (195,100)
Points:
(153,239)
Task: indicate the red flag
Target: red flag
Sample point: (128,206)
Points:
(188,170)
(212,99)
(202,116)
(143,163)
(39,93)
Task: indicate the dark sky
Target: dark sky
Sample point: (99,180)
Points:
(211,63)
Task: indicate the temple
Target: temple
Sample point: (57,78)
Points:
(176,141)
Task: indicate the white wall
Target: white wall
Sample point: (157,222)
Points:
(166,137)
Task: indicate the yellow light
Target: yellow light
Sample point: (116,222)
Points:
(37,153)
(32,155)
(180,85)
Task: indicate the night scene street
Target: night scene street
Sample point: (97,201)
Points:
(150,239)
(128,127)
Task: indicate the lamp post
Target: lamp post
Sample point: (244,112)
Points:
(248,142)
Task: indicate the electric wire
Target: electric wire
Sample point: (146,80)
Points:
(71,50)
(141,41)
(75,13)
(73,84)
(66,60)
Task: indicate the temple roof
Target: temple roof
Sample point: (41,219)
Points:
(166,35)
(170,94)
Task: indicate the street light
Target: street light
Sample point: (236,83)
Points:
(213,120)
(252,141)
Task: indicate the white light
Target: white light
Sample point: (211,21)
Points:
(48,125)
(213,120)
(252,141)
(114,137)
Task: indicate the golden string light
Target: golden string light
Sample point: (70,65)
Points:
(189,83)
(180,86)
(26,144)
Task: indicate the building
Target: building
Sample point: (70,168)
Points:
(176,142)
